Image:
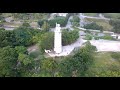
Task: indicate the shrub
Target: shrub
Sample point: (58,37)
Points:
(107,37)
(69,37)
(40,22)
(75,21)
(115,55)
(34,54)
(96,37)
(88,37)
(93,26)
(60,20)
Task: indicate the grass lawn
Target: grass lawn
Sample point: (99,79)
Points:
(90,14)
(104,66)
(107,15)
(7,14)
(112,15)
(101,22)
(12,24)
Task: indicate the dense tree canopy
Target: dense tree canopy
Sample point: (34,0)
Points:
(47,41)
(78,64)
(45,27)
(93,26)
(8,61)
(69,37)
(24,36)
(49,66)
(59,19)
(75,20)
(116,25)
(7,38)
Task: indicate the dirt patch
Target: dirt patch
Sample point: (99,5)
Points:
(32,48)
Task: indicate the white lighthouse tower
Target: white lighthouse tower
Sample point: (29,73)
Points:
(57,39)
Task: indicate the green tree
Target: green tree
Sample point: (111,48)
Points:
(21,49)
(41,22)
(49,66)
(8,62)
(68,37)
(93,26)
(85,57)
(47,41)
(25,59)
(79,63)
(7,38)
(68,66)
(88,37)
(26,25)
(45,27)
(23,36)
(26,65)
(75,20)
(60,19)
(116,25)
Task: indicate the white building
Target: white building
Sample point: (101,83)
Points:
(62,14)
(59,14)
(57,39)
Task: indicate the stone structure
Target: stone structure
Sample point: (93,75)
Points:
(57,39)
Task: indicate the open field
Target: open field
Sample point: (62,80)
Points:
(104,66)
(112,15)
(90,14)
(101,22)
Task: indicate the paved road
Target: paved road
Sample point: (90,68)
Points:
(101,17)
(69,23)
(106,45)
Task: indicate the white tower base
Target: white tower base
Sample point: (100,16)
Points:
(57,39)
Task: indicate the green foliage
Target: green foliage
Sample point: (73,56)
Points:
(91,14)
(107,37)
(45,27)
(96,37)
(75,20)
(110,71)
(8,61)
(78,64)
(21,49)
(93,26)
(7,38)
(89,47)
(49,65)
(26,25)
(61,20)
(85,57)
(25,59)
(37,36)
(88,37)
(67,66)
(19,37)
(68,37)
(112,15)
(47,41)
(34,54)
(26,65)
(29,16)
(115,55)
(24,36)
(108,74)
(116,25)
(41,22)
